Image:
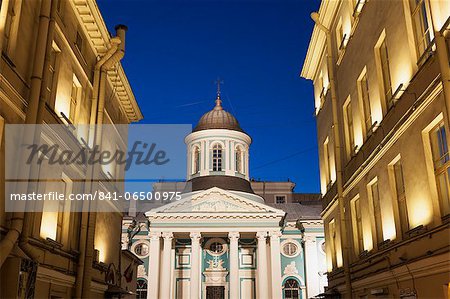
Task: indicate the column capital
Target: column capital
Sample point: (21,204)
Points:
(167,236)
(195,236)
(233,236)
(154,236)
(261,236)
(276,234)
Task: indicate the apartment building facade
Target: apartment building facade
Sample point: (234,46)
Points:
(60,65)
(381,79)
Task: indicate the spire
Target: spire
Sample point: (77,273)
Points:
(218,99)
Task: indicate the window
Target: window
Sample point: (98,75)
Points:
(141,249)
(385,73)
(216,247)
(196,168)
(363,89)
(332,232)
(441,161)
(141,289)
(52,74)
(400,195)
(327,163)
(348,123)
(238,160)
(291,289)
(280,199)
(357,224)
(74,97)
(217,157)
(339,35)
(375,197)
(421,28)
(290,249)
(79,42)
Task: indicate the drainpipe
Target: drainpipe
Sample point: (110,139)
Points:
(337,153)
(17,221)
(115,54)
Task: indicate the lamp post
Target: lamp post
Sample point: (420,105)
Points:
(337,153)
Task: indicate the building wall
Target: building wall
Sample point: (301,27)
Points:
(56,273)
(385,242)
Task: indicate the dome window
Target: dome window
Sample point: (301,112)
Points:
(196,168)
(217,157)
(238,159)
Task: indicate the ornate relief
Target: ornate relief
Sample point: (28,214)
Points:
(141,272)
(214,205)
(215,264)
(290,269)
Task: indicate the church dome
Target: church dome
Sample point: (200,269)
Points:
(218,118)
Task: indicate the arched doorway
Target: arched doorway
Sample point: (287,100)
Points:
(291,289)
(141,289)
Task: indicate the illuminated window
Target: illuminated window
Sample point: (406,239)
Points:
(79,42)
(280,199)
(348,124)
(357,224)
(217,157)
(333,237)
(196,168)
(291,289)
(141,249)
(52,74)
(441,159)
(327,163)
(386,75)
(400,195)
(339,35)
(9,24)
(374,195)
(421,28)
(363,89)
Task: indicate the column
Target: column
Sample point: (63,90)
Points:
(275,261)
(262,283)
(166,269)
(195,265)
(234,265)
(153,273)
(312,266)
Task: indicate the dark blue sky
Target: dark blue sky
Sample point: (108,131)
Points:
(176,49)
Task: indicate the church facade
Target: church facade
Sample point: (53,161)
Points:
(221,239)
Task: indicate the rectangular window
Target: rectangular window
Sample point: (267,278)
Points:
(357,224)
(73,102)
(348,126)
(339,35)
(332,229)
(280,199)
(421,28)
(79,42)
(327,165)
(10,16)
(375,197)
(52,75)
(363,89)
(400,195)
(386,74)
(217,158)
(441,160)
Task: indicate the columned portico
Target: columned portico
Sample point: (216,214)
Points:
(153,274)
(166,265)
(234,264)
(262,282)
(275,261)
(195,265)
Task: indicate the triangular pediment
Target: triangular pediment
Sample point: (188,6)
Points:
(215,200)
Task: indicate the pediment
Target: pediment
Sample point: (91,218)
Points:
(215,200)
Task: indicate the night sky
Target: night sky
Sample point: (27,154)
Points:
(175,50)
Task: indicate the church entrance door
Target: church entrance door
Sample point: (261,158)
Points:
(215,292)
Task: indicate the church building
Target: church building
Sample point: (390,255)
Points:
(223,239)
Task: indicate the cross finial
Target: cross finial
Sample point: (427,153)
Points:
(218,82)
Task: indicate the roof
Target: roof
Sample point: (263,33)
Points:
(218,118)
(297,211)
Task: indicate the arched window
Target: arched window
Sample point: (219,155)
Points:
(141,289)
(291,289)
(217,157)
(141,249)
(196,168)
(238,159)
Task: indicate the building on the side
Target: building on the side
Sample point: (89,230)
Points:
(382,96)
(229,236)
(51,67)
